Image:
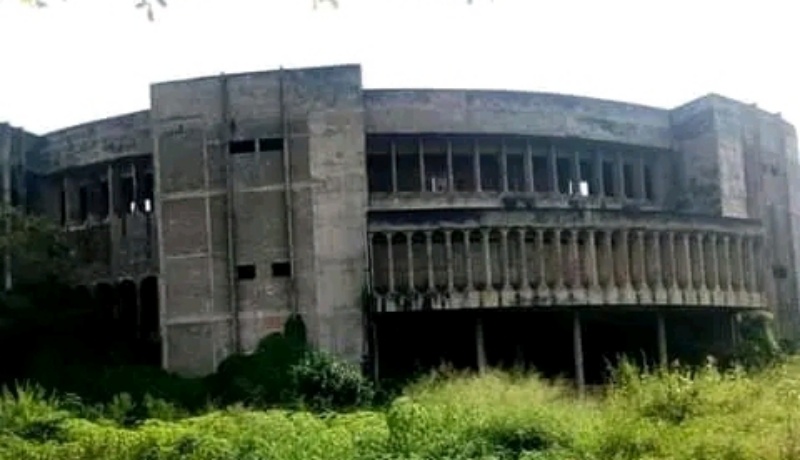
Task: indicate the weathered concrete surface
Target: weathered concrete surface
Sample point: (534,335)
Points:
(508,112)
(324,232)
(213,212)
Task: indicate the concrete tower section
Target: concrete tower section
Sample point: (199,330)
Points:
(740,161)
(262,199)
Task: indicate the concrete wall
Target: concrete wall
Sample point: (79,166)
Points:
(193,123)
(507,112)
(216,212)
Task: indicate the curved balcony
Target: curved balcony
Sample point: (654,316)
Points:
(459,267)
(478,171)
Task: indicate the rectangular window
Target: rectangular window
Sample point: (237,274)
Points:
(246,272)
(246,146)
(270,144)
(281,270)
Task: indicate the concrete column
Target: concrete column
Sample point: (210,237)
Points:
(558,257)
(503,166)
(393,155)
(410,257)
(468,260)
(712,275)
(639,178)
(476,164)
(689,293)
(599,180)
(528,162)
(390,261)
(623,263)
(574,261)
(619,176)
(480,346)
(726,269)
(448,246)
(577,350)
(656,264)
(542,289)
(576,173)
(505,259)
(639,263)
(593,293)
(700,270)
(552,164)
(609,264)
(674,293)
(662,340)
(523,259)
(752,270)
(451,186)
(429,259)
(487,257)
(421,155)
(739,270)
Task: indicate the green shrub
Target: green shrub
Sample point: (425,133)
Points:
(322,382)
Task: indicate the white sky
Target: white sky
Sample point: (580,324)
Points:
(84,59)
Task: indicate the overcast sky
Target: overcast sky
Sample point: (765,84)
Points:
(79,60)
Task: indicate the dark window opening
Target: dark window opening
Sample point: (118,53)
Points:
(146,193)
(541,177)
(408,173)
(83,203)
(378,145)
(379,173)
(127,201)
(490,166)
(780,272)
(609,182)
(627,178)
(248,146)
(246,272)
(516,173)
(271,144)
(649,191)
(587,175)
(435,159)
(281,270)
(564,171)
(63,208)
(463,166)
(103,199)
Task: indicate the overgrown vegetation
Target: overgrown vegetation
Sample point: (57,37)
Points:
(675,414)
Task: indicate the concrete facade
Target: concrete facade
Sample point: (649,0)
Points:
(237,200)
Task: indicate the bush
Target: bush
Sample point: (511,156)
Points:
(322,382)
(676,414)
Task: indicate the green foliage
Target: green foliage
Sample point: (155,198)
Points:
(758,348)
(671,414)
(322,382)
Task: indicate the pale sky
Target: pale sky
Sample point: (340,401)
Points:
(79,60)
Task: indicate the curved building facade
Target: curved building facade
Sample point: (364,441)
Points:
(238,199)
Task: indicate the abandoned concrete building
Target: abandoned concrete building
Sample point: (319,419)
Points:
(416,226)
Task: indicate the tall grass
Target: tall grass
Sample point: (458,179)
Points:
(675,414)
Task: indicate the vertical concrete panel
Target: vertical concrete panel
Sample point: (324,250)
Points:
(186,119)
(696,140)
(339,205)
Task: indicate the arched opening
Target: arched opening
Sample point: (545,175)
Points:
(150,327)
